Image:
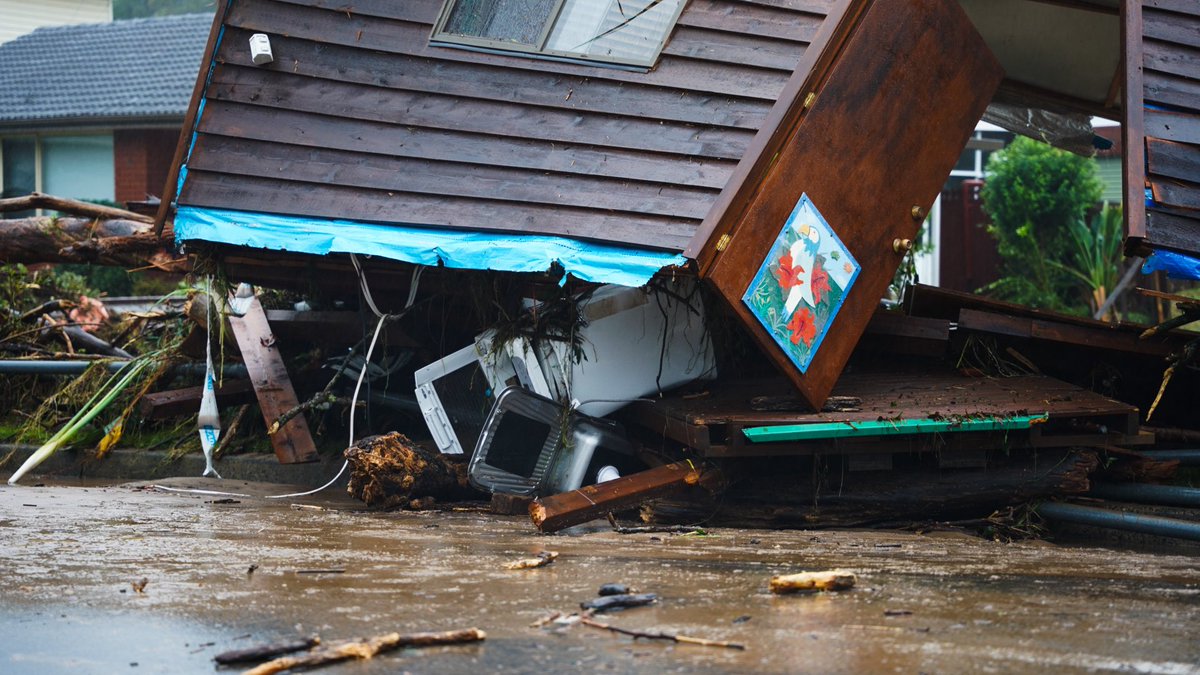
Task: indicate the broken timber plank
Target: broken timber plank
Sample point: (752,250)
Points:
(186,401)
(293,443)
(556,512)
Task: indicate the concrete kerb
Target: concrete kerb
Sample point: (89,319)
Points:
(134,465)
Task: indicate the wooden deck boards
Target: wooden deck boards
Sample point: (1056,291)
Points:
(711,424)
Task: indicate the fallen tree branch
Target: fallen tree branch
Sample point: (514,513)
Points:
(365,649)
(115,241)
(37,200)
(320,398)
(673,637)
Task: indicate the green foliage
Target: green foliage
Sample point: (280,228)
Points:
(14,285)
(1035,195)
(1095,254)
(111,281)
(67,284)
(134,9)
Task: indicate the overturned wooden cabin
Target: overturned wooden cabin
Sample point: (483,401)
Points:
(786,151)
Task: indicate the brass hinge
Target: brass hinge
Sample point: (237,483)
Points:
(723,242)
(810,99)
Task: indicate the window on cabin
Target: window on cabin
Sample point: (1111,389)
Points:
(623,32)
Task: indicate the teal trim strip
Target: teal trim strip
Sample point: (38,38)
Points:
(825,430)
(456,249)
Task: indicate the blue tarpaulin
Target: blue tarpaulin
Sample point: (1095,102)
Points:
(1176,265)
(599,263)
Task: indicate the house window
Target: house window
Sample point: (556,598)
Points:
(74,166)
(621,32)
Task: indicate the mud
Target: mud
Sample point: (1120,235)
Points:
(924,603)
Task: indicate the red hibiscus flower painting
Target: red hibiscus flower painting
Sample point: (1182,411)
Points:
(803,327)
(789,276)
(820,283)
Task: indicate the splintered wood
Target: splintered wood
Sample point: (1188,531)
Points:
(365,649)
(832,580)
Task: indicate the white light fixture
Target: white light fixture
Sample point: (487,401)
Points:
(260,49)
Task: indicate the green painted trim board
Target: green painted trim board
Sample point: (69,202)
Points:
(824,430)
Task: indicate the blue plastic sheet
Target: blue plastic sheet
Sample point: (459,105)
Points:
(1176,265)
(599,263)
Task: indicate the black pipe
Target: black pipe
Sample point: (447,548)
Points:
(1187,457)
(1140,493)
(40,367)
(1088,515)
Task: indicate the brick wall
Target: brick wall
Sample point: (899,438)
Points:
(142,158)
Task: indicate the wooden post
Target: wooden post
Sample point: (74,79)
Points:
(556,512)
(293,443)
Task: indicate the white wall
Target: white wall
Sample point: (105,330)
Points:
(18,17)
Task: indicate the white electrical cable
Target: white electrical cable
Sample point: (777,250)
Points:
(383,318)
(362,373)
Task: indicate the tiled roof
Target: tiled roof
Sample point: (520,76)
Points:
(123,69)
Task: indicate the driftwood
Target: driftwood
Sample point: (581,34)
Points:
(833,580)
(544,558)
(556,512)
(672,637)
(365,649)
(883,497)
(390,471)
(264,652)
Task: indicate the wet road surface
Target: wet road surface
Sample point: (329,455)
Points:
(944,603)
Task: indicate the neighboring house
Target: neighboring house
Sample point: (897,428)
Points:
(18,17)
(93,111)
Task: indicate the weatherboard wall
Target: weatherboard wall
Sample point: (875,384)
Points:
(1162,43)
(360,118)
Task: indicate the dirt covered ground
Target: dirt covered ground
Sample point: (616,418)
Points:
(936,603)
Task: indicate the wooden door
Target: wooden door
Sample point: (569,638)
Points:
(806,237)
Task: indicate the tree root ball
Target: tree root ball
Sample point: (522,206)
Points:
(390,471)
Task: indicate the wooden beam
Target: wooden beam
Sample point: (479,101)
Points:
(293,443)
(556,512)
(186,401)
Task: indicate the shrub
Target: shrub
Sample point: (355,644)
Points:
(1035,195)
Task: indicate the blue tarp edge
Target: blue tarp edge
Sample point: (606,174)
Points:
(598,263)
(1176,265)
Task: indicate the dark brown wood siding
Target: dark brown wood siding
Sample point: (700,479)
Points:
(359,117)
(1163,125)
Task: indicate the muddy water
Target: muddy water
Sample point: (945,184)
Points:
(938,604)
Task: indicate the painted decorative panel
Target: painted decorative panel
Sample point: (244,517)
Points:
(801,284)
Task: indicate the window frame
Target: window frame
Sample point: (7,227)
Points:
(39,165)
(440,38)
